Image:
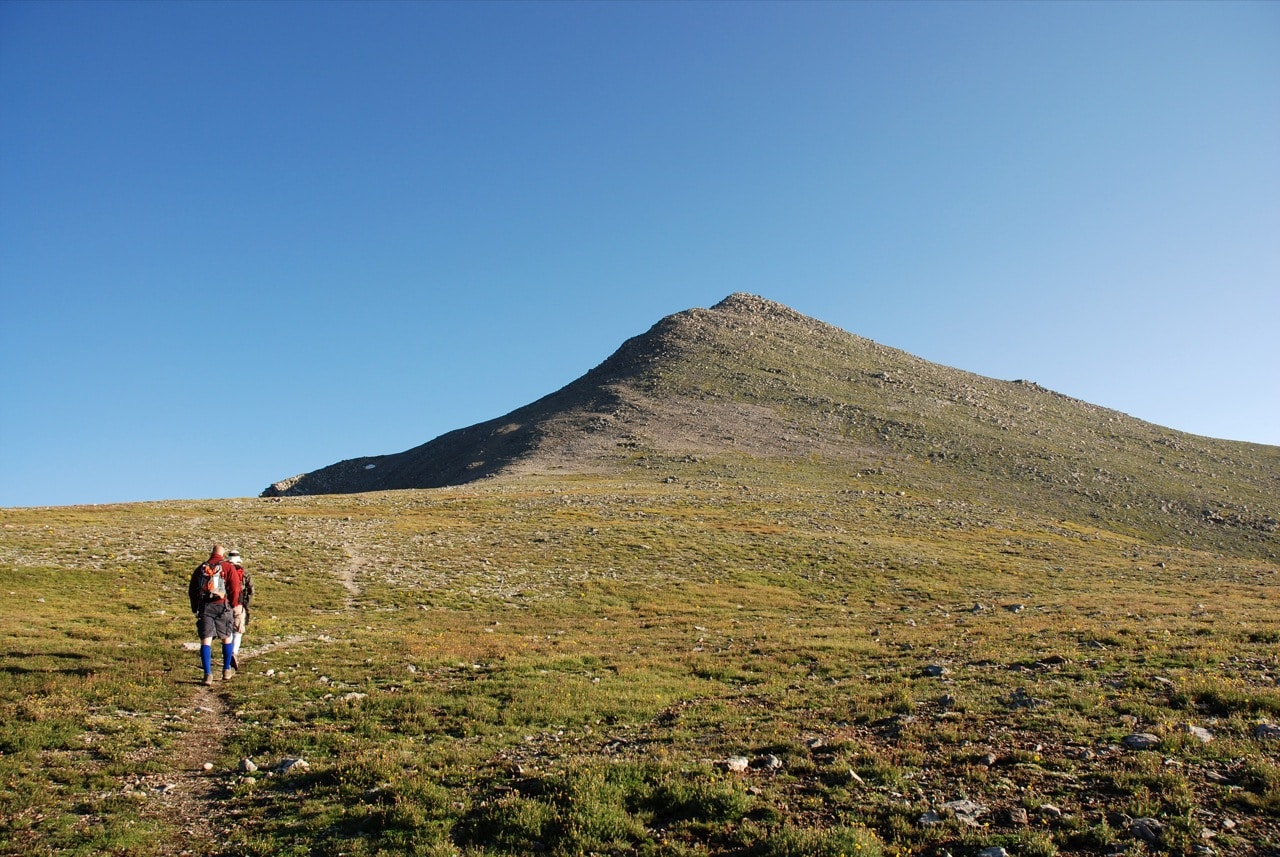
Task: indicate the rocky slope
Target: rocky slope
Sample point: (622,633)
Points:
(755,382)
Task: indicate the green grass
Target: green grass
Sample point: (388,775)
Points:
(563,667)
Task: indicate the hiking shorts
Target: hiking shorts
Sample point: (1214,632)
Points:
(241,620)
(215,620)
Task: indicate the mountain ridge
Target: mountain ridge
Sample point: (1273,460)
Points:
(753,381)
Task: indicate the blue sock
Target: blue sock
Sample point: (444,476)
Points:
(206,658)
(226,656)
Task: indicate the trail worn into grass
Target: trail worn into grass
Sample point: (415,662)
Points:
(348,575)
(250,651)
(188,799)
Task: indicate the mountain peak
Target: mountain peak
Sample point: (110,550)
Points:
(742,303)
(753,382)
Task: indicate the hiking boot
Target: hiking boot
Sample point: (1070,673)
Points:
(228,673)
(208,679)
(235,663)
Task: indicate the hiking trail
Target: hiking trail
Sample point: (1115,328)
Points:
(348,574)
(186,797)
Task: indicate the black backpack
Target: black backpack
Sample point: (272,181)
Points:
(246,587)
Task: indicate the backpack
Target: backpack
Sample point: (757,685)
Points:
(246,587)
(214,584)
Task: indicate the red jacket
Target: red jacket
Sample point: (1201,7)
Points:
(235,583)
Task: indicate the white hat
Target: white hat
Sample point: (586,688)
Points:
(234,556)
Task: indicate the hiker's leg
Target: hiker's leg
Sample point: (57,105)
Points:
(206,654)
(226,653)
(237,630)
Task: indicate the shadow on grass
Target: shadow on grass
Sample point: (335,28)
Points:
(35,657)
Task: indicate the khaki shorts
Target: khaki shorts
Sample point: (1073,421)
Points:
(241,619)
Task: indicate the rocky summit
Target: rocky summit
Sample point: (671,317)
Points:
(755,382)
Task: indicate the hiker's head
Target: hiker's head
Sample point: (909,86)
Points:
(234,558)
(217,551)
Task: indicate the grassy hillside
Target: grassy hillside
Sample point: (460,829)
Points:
(579,664)
(758,382)
(857,404)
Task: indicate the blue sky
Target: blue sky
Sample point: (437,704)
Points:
(240,241)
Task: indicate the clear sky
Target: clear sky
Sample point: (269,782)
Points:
(239,240)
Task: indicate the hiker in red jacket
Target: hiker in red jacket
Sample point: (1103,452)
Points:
(214,588)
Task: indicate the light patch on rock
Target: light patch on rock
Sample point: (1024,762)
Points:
(1141,741)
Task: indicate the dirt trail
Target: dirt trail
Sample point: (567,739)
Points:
(188,794)
(349,573)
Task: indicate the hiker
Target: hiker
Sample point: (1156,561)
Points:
(239,609)
(213,589)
